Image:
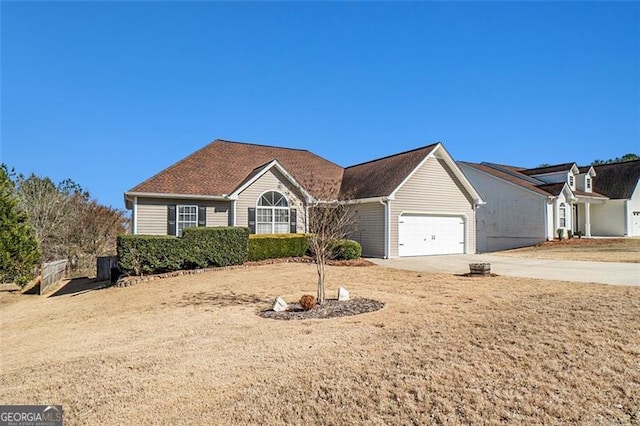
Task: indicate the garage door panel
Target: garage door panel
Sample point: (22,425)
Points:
(420,235)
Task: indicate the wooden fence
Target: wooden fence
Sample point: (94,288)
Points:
(52,272)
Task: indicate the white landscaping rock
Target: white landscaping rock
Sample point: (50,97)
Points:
(343,294)
(280,305)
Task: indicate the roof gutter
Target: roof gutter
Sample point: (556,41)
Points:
(130,196)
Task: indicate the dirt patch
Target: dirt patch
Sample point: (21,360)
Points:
(471,275)
(220,299)
(588,249)
(332,308)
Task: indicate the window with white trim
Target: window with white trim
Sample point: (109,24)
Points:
(588,180)
(187,217)
(563,215)
(272,214)
(571,181)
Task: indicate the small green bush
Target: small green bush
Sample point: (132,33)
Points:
(569,234)
(273,246)
(346,250)
(560,232)
(198,248)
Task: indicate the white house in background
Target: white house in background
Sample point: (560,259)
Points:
(528,206)
(620,215)
(413,203)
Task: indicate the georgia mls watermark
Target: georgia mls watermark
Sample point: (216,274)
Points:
(30,415)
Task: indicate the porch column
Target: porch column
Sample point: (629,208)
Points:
(587,220)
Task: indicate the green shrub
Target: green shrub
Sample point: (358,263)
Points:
(569,234)
(560,232)
(216,246)
(150,254)
(198,248)
(346,250)
(19,251)
(273,246)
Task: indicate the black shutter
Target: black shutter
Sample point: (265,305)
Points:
(293,222)
(202,216)
(252,220)
(171,220)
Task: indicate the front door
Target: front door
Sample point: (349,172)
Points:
(576,225)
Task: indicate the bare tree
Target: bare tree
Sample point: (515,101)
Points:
(68,223)
(329,222)
(51,210)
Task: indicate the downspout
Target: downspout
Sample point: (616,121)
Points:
(387,228)
(546,219)
(233,213)
(134,225)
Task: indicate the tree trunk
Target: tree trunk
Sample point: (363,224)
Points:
(320,267)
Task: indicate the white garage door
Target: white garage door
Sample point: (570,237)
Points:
(421,235)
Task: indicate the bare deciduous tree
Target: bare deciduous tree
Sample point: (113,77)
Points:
(329,221)
(68,223)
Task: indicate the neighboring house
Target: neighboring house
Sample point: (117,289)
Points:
(413,203)
(528,206)
(620,215)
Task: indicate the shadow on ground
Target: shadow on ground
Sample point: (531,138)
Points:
(80,285)
(220,299)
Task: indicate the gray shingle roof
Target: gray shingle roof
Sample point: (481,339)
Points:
(617,180)
(547,169)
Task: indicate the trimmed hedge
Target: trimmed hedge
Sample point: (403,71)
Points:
(149,254)
(346,250)
(198,248)
(216,246)
(272,246)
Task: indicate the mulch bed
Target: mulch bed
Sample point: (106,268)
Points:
(332,308)
(308,259)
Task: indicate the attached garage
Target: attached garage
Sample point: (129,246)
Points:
(423,235)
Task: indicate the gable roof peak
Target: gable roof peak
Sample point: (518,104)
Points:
(429,147)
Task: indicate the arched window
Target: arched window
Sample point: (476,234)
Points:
(563,215)
(272,214)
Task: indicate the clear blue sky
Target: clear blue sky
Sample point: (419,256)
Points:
(109,94)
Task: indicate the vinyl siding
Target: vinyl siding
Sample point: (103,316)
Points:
(218,213)
(272,180)
(369,228)
(433,189)
(151,216)
(152,213)
(512,216)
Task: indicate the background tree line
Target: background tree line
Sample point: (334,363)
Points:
(626,157)
(65,222)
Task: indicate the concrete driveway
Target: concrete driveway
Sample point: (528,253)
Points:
(565,270)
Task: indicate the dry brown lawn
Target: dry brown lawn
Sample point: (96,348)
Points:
(444,350)
(589,249)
